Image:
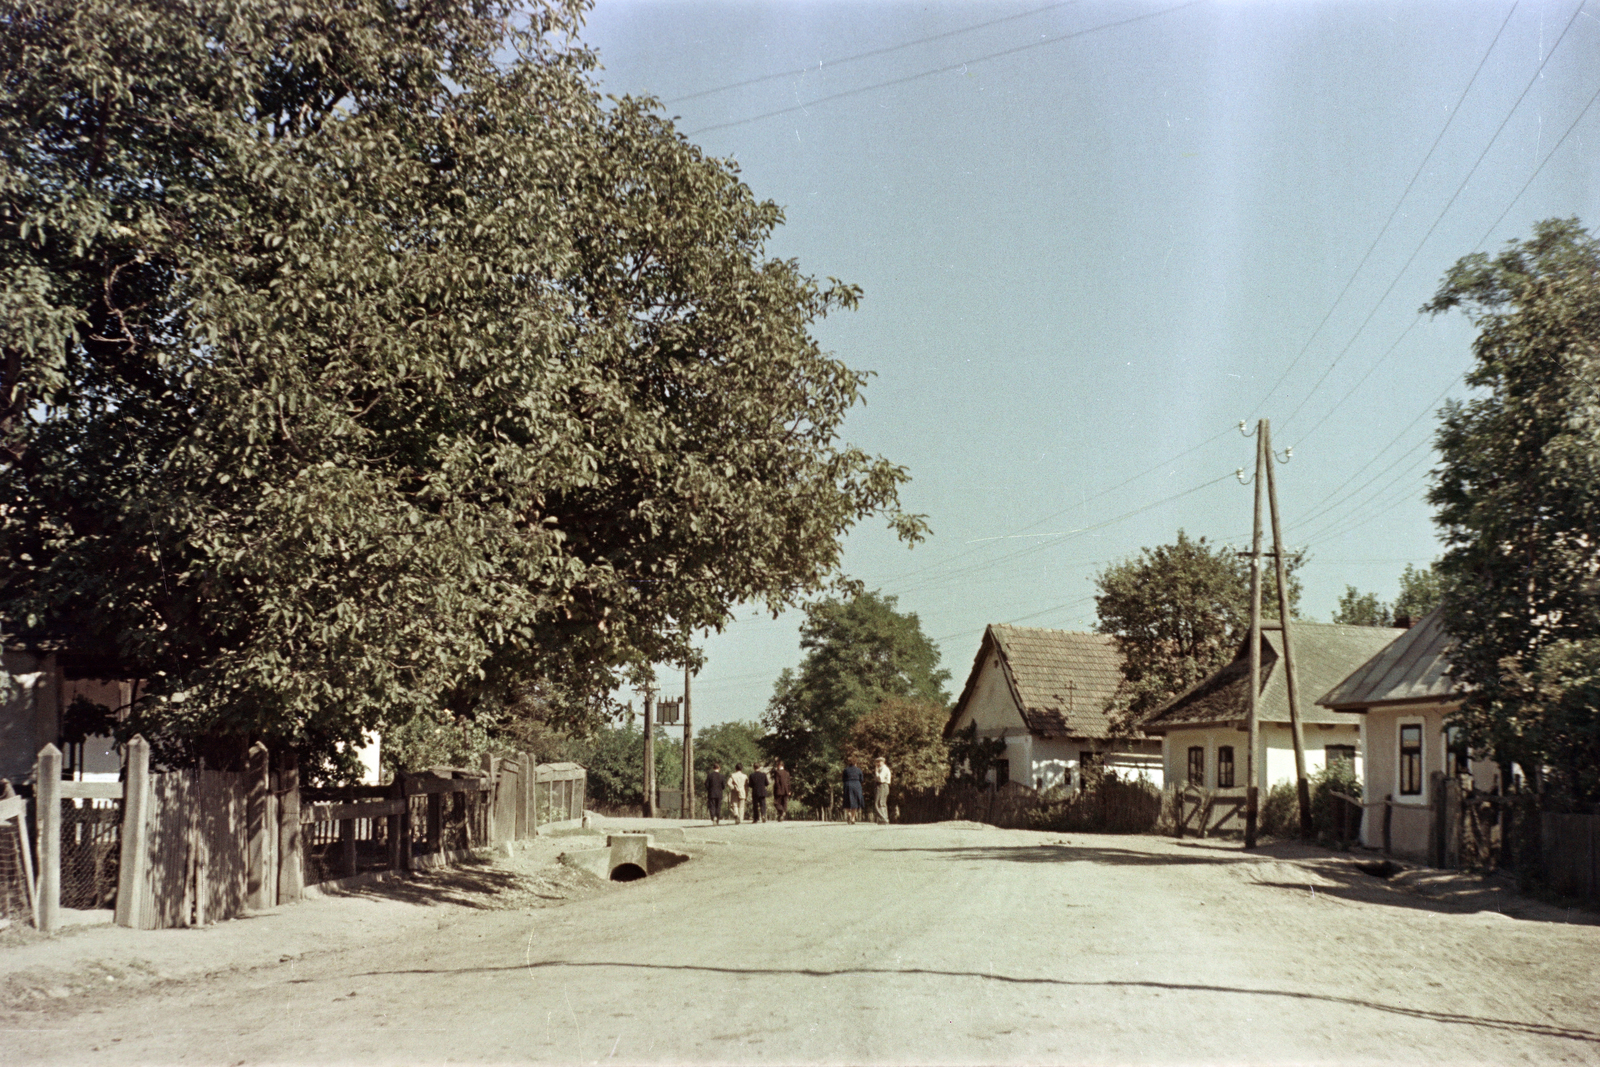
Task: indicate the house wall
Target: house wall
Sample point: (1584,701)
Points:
(991,705)
(30,705)
(1274,760)
(1410,822)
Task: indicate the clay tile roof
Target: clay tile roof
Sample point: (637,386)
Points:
(1324,653)
(1063,679)
(1414,667)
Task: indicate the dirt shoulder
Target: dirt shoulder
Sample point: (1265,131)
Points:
(38,971)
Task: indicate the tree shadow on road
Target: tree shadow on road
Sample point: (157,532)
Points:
(1517,1026)
(1058,853)
(482,885)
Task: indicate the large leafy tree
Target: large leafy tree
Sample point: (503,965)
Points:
(858,653)
(1178,613)
(909,735)
(1517,498)
(1419,594)
(361,362)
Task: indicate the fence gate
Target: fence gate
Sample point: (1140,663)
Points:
(91,852)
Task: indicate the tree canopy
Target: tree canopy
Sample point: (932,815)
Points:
(1419,594)
(362,362)
(1178,613)
(1517,499)
(858,653)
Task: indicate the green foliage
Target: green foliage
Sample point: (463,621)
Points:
(1517,489)
(360,364)
(614,759)
(909,734)
(1280,810)
(1179,612)
(1419,592)
(971,756)
(1362,609)
(1560,700)
(1108,804)
(857,653)
(728,743)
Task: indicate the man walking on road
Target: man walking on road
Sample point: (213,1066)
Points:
(758,794)
(736,784)
(780,792)
(715,781)
(880,801)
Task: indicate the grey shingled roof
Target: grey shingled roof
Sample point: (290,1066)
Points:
(1414,668)
(1324,653)
(1061,679)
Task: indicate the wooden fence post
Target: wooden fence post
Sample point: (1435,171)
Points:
(486,803)
(47,812)
(260,878)
(347,845)
(399,829)
(435,810)
(133,875)
(291,843)
(1388,823)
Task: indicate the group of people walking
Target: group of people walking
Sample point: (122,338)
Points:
(753,788)
(739,788)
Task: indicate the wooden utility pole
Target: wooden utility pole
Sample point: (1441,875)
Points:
(649,752)
(1302,783)
(1252,794)
(686,809)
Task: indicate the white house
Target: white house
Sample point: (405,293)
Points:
(1204,729)
(1402,696)
(1045,693)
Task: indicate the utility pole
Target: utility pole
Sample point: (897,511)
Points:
(1264,481)
(1252,794)
(649,751)
(1302,783)
(687,810)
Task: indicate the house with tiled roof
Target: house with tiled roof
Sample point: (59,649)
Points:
(1403,696)
(1044,692)
(1204,729)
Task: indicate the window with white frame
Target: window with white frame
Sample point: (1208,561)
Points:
(1224,766)
(1410,759)
(1197,766)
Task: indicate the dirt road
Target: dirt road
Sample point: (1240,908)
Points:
(910,944)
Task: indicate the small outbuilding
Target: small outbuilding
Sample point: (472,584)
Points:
(1403,696)
(1204,730)
(1045,692)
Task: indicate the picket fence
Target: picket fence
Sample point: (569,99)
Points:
(190,847)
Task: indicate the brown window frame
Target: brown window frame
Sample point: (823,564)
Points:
(1225,767)
(1409,769)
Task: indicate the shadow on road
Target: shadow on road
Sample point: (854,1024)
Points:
(1517,1026)
(468,884)
(1117,857)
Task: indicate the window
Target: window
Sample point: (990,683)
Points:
(1197,766)
(1340,753)
(1224,766)
(1411,759)
(1456,758)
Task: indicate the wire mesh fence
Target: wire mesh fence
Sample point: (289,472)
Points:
(91,852)
(14,904)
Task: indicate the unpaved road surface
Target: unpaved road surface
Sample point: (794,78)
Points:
(907,944)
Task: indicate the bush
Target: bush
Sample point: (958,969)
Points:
(1280,814)
(1108,805)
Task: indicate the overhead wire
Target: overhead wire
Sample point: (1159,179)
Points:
(829,64)
(945,69)
(1393,213)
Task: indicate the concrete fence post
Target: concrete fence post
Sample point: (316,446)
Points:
(399,828)
(291,840)
(133,873)
(47,810)
(486,803)
(260,877)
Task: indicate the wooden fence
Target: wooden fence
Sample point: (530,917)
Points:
(189,847)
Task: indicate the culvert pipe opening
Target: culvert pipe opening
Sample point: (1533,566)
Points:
(627,872)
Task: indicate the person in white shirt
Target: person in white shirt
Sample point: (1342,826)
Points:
(880,800)
(737,782)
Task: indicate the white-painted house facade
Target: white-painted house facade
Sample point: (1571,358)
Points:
(1204,730)
(1044,692)
(1403,696)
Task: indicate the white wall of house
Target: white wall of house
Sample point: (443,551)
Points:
(1277,741)
(1410,823)
(991,705)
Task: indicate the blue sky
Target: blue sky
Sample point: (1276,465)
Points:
(1094,236)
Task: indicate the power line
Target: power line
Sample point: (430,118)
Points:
(942,70)
(1443,211)
(867,55)
(1484,239)
(1397,204)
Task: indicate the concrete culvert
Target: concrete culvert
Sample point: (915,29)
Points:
(627,872)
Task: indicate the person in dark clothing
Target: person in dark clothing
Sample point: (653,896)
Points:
(852,792)
(780,792)
(715,782)
(760,789)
